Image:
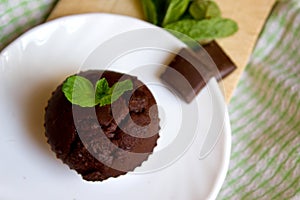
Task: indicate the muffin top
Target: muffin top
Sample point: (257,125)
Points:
(103,141)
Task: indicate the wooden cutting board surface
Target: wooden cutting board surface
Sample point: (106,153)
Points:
(250,15)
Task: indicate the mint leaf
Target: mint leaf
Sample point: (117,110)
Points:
(175,10)
(194,18)
(79,91)
(110,95)
(204,9)
(212,10)
(149,9)
(119,88)
(161,8)
(102,88)
(206,29)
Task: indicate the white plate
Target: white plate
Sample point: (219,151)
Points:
(33,65)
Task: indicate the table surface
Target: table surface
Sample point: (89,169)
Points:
(250,15)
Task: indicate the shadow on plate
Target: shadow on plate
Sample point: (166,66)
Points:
(35,104)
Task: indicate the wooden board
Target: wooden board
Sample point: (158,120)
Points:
(250,15)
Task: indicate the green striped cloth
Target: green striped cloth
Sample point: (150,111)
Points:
(265,116)
(17,16)
(264,112)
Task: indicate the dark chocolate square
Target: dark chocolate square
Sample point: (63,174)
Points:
(187,74)
(190,70)
(220,58)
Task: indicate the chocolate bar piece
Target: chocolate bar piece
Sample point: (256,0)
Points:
(190,70)
(222,61)
(187,74)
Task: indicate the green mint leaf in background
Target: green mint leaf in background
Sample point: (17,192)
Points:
(106,95)
(204,9)
(198,19)
(206,29)
(149,9)
(79,91)
(176,8)
(212,10)
(161,7)
(186,15)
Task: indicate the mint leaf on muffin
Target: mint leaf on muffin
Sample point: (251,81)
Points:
(80,91)
(106,95)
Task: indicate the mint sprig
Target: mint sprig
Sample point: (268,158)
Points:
(199,19)
(80,91)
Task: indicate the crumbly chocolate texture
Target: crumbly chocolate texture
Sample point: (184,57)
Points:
(107,141)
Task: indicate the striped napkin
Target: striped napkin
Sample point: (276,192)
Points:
(265,115)
(17,16)
(264,111)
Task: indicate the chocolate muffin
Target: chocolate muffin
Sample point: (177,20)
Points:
(100,142)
